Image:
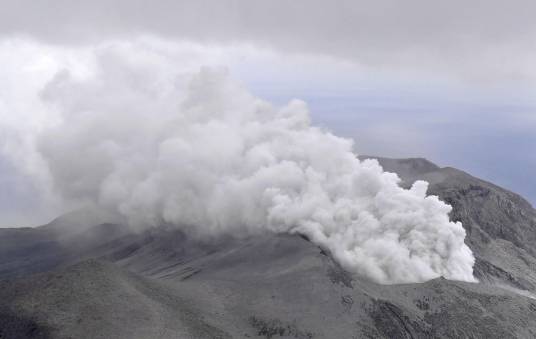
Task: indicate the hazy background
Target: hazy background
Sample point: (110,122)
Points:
(454,82)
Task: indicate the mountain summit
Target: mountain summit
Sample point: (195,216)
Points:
(81,278)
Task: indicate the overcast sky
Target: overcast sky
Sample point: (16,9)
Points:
(452,81)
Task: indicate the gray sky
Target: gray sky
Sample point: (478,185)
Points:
(487,40)
(451,81)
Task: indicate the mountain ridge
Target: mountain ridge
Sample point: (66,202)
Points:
(270,286)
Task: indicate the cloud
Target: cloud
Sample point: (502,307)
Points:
(135,133)
(490,41)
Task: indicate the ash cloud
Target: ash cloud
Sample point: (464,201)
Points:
(198,151)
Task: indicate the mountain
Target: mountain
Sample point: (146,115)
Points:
(81,278)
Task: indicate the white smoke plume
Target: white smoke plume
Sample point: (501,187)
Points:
(200,152)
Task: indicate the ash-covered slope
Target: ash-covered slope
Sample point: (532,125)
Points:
(160,283)
(96,299)
(265,287)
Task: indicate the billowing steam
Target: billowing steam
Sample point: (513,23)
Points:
(200,152)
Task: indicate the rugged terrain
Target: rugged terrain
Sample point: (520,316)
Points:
(88,279)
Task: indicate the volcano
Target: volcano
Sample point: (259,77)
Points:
(82,278)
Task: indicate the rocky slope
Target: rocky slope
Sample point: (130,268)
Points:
(105,281)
